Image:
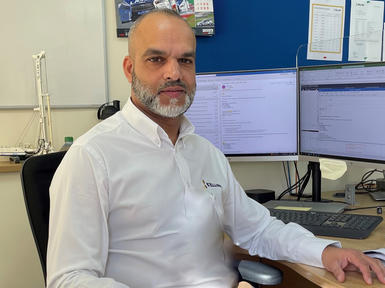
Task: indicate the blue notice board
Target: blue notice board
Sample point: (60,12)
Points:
(253,34)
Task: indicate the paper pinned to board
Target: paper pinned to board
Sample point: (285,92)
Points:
(366,22)
(332,169)
(326,29)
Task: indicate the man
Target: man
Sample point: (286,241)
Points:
(142,201)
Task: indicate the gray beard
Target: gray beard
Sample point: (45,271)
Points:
(152,101)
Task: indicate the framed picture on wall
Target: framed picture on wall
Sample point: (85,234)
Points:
(199,14)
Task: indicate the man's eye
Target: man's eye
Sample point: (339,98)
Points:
(185,61)
(155,59)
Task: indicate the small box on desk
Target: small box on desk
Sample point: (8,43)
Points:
(261,195)
(380,184)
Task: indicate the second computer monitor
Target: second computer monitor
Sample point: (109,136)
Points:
(248,115)
(342,112)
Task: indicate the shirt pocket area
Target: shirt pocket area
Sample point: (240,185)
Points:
(215,194)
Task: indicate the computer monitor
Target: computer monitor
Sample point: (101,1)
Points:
(342,115)
(248,115)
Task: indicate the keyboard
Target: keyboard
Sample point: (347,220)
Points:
(330,224)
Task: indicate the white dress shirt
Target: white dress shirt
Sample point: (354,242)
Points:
(130,209)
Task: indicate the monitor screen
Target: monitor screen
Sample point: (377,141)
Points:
(248,115)
(342,112)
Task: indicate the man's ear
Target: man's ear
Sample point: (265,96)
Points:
(128,68)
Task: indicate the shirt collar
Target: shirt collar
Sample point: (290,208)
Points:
(147,127)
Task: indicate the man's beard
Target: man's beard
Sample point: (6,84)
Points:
(152,101)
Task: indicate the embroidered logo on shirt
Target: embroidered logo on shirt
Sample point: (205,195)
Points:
(208,184)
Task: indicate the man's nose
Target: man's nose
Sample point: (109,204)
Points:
(172,70)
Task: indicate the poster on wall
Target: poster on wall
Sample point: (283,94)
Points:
(199,14)
(326,28)
(366,20)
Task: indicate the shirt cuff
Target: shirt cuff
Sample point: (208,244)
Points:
(311,250)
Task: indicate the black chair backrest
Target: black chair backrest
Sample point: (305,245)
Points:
(36,176)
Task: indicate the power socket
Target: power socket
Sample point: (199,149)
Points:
(350,194)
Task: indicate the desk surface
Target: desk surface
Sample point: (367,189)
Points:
(8,166)
(376,240)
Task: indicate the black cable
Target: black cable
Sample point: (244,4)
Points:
(284,171)
(367,184)
(284,192)
(292,187)
(298,177)
(298,184)
(296,168)
(302,189)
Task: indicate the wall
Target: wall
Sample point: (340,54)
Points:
(65,31)
(266,33)
(19,265)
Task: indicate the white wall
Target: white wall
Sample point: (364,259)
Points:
(19,265)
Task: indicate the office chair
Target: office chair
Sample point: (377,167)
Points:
(36,176)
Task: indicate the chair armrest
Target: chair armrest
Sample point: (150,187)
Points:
(259,273)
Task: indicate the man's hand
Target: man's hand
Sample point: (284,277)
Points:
(244,285)
(338,260)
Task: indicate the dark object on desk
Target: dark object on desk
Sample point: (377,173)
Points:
(378,195)
(36,176)
(331,224)
(107,110)
(261,195)
(19,158)
(380,184)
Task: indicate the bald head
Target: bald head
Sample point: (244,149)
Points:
(153,20)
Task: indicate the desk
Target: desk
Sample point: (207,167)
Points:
(8,166)
(308,276)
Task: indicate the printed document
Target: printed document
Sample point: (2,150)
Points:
(326,28)
(366,22)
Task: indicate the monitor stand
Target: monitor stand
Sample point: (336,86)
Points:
(317,204)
